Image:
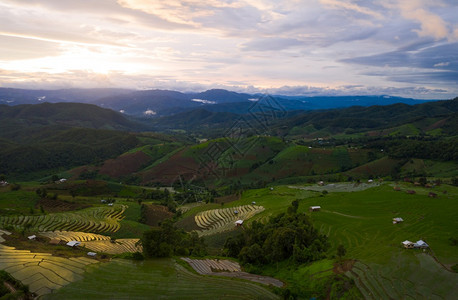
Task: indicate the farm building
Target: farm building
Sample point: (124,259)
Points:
(397,189)
(408,244)
(432,195)
(236,212)
(421,244)
(397,220)
(92,254)
(370,181)
(314,208)
(411,192)
(253,202)
(3,183)
(321,183)
(73,244)
(239,223)
(32,237)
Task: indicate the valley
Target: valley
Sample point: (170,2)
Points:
(150,201)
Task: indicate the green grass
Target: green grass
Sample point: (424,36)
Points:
(362,222)
(158,279)
(130,227)
(17,202)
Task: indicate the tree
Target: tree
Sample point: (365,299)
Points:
(341,251)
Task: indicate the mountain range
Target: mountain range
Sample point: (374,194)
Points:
(154,103)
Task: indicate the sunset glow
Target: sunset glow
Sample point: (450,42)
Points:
(405,48)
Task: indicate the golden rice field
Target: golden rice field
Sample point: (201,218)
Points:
(116,247)
(219,220)
(42,272)
(94,219)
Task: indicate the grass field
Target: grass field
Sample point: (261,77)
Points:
(362,222)
(155,279)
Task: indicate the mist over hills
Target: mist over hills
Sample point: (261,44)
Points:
(153,103)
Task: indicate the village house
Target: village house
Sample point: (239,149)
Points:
(408,244)
(397,220)
(314,208)
(432,195)
(73,244)
(239,223)
(421,244)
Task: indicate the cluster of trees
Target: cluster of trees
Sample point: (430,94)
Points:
(20,291)
(287,236)
(58,151)
(167,240)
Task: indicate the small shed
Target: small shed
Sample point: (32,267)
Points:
(397,220)
(432,195)
(407,244)
(396,188)
(73,244)
(32,237)
(321,183)
(370,181)
(253,202)
(236,212)
(239,223)
(421,244)
(314,208)
(91,254)
(411,192)
(110,204)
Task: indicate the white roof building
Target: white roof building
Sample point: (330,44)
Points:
(92,254)
(32,237)
(239,222)
(314,208)
(73,243)
(397,220)
(421,244)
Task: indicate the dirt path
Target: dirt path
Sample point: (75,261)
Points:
(341,214)
(10,287)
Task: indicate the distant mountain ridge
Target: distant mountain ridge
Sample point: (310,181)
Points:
(154,103)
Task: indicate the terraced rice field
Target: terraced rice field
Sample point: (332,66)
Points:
(117,247)
(228,268)
(79,236)
(42,272)
(399,281)
(361,221)
(219,220)
(94,219)
(156,279)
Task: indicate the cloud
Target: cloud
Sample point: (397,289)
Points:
(442,64)
(191,45)
(431,24)
(346,5)
(270,44)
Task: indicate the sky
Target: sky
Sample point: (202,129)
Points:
(403,48)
